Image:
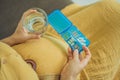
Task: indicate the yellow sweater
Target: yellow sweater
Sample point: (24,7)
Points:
(13,67)
(100,22)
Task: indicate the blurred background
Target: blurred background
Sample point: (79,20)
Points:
(12,10)
(86,2)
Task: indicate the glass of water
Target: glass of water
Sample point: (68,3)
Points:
(36,22)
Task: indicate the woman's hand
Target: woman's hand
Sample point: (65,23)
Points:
(21,34)
(75,64)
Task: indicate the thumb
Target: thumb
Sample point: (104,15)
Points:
(76,54)
(34,36)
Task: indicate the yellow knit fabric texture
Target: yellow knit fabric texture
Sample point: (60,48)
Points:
(13,67)
(100,22)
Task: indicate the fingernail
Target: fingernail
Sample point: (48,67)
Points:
(76,50)
(33,10)
(83,46)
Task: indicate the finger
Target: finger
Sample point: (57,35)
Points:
(87,51)
(33,36)
(70,56)
(25,14)
(85,61)
(20,24)
(80,57)
(87,56)
(69,50)
(29,12)
(25,30)
(76,54)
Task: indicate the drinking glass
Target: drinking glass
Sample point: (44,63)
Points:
(36,22)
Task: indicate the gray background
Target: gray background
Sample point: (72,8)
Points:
(87,2)
(12,10)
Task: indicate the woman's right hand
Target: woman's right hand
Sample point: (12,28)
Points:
(21,34)
(75,64)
